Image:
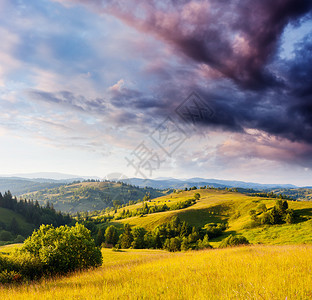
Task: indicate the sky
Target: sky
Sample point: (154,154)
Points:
(168,88)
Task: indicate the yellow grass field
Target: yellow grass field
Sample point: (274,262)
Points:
(250,272)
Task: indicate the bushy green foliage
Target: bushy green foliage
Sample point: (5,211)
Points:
(175,235)
(63,249)
(214,230)
(173,244)
(126,238)
(19,239)
(279,214)
(9,276)
(111,235)
(138,238)
(27,265)
(6,235)
(146,209)
(24,264)
(50,251)
(234,240)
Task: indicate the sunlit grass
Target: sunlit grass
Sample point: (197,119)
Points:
(217,206)
(214,206)
(255,272)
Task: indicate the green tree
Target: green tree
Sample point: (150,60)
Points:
(111,235)
(100,239)
(285,206)
(234,241)
(138,238)
(185,245)
(275,215)
(14,227)
(197,196)
(290,216)
(173,244)
(126,238)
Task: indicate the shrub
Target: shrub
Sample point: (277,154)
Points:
(6,236)
(231,241)
(173,244)
(204,244)
(5,263)
(19,239)
(9,276)
(214,230)
(62,249)
(28,266)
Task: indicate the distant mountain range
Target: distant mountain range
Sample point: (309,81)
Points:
(165,183)
(20,184)
(49,176)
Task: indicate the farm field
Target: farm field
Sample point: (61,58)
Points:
(249,272)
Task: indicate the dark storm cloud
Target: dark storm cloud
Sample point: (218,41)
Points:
(239,40)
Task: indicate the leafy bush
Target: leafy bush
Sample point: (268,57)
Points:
(214,230)
(19,239)
(232,240)
(28,266)
(9,276)
(51,251)
(5,264)
(63,249)
(6,235)
(278,214)
(173,244)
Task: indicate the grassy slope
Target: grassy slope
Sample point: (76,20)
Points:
(255,272)
(6,216)
(219,206)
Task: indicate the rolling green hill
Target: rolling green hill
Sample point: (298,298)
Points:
(6,217)
(92,195)
(216,206)
(302,194)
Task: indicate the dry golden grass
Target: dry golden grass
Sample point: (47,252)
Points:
(255,272)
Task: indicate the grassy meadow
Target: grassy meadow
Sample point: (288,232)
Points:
(217,206)
(250,272)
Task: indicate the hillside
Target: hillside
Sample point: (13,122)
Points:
(217,206)
(252,272)
(92,195)
(19,186)
(302,194)
(6,217)
(18,218)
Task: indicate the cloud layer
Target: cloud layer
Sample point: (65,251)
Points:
(115,69)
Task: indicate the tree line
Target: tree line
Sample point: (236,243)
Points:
(278,214)
(33,213)
(175,235)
